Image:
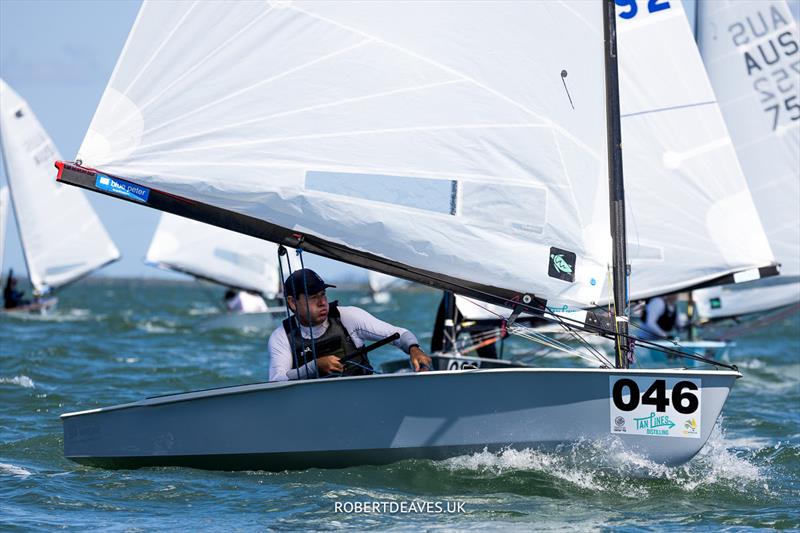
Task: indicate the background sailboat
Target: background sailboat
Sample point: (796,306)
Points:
(381,285)
(4,207)
(751,50)
(225,258)
(434,122)
(43,208)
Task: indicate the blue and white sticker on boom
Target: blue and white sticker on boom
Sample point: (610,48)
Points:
(122,188)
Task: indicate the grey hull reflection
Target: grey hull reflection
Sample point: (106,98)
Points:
(375,420)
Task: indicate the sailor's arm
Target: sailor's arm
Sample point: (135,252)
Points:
(655,309)
(362,324)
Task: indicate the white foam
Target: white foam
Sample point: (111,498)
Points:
(608,467)
(13,470)
(22,381)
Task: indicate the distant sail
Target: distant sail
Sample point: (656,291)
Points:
(752,54)
(215,254)
(62,237)
(3,221)
(379,282)
(689,208)
(439,142)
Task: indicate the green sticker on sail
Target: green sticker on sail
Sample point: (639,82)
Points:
(562,264)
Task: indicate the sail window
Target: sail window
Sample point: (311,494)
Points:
(429,194)
(484,200)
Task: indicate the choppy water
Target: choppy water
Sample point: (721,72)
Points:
(116,341)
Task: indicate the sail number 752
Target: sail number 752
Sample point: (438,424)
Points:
(683,397)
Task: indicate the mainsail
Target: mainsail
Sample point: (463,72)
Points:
(44,208)
(426,136)
(752,54)
(214,254)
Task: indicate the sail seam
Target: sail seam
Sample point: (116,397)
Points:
(671,108)
(301,110)
(451,70)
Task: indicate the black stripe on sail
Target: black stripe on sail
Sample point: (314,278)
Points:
(85,178)
(730,279)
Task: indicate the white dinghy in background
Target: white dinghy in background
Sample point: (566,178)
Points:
(62,237)
(469,149)
(224,258)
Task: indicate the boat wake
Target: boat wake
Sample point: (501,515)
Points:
(606,467)
(22,381)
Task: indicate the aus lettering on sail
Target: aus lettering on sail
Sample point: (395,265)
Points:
(771,59)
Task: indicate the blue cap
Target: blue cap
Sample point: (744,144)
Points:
(296,284)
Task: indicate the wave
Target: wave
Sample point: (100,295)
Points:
(13,470)
(22,381)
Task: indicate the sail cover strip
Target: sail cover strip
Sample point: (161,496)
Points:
(62,237)
(214,254)
(468,143)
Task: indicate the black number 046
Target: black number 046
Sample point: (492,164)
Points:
(683,398)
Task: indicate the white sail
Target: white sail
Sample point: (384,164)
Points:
(215,254)
(3,221)
(751,50)
(689,209)
(62,237)
(397,128)
(379,282)
(431,136)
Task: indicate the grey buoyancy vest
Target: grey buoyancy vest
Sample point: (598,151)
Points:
(335,341)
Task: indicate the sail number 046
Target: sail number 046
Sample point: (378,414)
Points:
(683,397)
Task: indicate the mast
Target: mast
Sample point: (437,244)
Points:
(616,187)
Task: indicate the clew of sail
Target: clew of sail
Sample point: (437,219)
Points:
(752,53)
(215,254)
(44,208)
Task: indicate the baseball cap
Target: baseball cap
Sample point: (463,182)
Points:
(296,284)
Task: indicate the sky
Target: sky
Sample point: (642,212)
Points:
(59,55)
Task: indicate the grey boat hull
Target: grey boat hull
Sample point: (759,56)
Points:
(375,420)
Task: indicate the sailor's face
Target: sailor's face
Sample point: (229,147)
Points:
(312,309)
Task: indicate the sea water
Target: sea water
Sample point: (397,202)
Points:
(115,341)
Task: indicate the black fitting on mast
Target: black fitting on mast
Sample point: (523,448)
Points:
(616,186)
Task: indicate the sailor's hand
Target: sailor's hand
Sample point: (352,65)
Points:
(329,364)
(419,360)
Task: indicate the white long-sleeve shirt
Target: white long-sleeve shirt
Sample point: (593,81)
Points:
(361,326)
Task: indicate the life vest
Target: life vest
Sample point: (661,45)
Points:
(667,319)
(335,341)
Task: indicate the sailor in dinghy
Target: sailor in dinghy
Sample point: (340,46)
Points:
(322,340)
